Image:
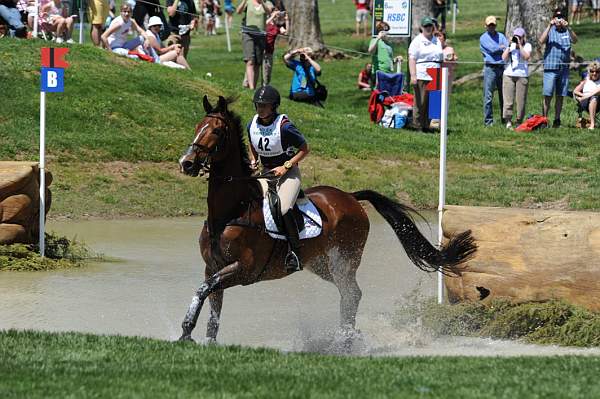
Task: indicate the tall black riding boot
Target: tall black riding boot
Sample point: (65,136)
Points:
(292,262)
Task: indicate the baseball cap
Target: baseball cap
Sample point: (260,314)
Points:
(519,32)
(490,20)
(154,21)
(426,21)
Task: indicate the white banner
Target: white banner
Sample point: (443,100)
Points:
(397,14)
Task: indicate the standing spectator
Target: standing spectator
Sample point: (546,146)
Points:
(97,12)
(115,38)
(558,38)
(254,36)
(229,10)
(276,24)
(492,45)
(596,11)
(306,71)
(362,16)
(439,8)
(364,78)
(450,58)
(162,54)
(516,77)
(588,91)
(183,18)
(576,9)
(12,16)
(210,8)
(425,51)
(383,56)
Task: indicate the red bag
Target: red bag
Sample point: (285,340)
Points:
(141,56)
(533,123)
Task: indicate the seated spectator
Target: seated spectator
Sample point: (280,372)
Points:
(276,24)
(55,19)
(306,71)
(162,54)
(364,78)
(115,37)
(12,16)
(588,91)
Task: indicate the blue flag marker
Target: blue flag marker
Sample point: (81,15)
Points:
(53,80)
(435,104)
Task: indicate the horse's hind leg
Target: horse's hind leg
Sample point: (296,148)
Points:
(343,272)
(216,303)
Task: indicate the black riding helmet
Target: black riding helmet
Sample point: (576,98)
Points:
(267,95)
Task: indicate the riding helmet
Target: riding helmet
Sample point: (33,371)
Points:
(267,95)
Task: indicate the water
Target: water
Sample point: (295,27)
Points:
(146,291)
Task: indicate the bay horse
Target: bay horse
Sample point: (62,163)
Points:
(238,251)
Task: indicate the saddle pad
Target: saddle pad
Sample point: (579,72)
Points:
(312,220)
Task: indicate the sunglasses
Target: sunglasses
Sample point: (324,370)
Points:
(594,71)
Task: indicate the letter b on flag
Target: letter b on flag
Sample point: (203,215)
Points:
(52,80)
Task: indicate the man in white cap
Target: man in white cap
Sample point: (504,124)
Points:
(492,45)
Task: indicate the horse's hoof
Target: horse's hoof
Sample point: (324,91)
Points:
(186,338)
(210,341)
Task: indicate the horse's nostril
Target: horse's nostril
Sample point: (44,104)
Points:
(187,165)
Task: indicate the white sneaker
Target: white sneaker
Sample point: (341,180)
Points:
(59,40)
(509,125)
(70,41)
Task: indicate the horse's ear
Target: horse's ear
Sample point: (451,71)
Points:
(207,107)
(222,104)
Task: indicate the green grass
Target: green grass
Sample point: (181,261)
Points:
(119,115)
(36,364)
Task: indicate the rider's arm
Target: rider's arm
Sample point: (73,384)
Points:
(301,154)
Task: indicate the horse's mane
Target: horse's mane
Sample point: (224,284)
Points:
(236,123)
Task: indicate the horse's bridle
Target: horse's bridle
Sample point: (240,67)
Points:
(195,148)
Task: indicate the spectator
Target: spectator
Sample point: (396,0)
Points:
(115,37)
(229,9)
(557,56)
(362,16)
(492,45)
(425,51)
(364,78)
(596,11)
(143,8)
(576,8)
(210,8)
(253,36)
(12,16)
(97,13)
(276,24)
(306,71)
(54,14)
(516,77)
(450,58)
(162,54)
(382,52)
(588,91)
(182,20)
(439,9)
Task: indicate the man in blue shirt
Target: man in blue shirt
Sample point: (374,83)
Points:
(306,71)
(492,44)
(557,56)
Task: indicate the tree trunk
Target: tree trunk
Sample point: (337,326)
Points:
(420,9)
(305,26)
(533,16)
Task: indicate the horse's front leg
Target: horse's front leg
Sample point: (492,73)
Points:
(216,303)
(219,281)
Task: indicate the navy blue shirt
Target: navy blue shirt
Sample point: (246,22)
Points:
(291,141)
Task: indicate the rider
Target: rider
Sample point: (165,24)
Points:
(280,146)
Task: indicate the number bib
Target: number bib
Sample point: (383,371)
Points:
(266,140)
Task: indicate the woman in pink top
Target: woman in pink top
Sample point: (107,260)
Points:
(450,58)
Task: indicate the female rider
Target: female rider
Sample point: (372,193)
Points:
(279,146)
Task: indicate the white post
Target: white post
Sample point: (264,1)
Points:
(42,172)
(36,19)
(227,34)
(442,189)
(454,8)
(81,26)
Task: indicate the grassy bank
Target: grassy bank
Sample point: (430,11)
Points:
(115,134)
(64,365)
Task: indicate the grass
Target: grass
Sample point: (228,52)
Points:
(115,134)
(37,364)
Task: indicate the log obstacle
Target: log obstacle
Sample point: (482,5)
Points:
(19,201)
(528,255)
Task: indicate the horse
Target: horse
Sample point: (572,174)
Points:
(238,251)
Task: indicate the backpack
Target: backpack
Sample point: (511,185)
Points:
(534,122)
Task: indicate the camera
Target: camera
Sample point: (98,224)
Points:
(515,39)
(302,56)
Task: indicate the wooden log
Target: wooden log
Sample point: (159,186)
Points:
(528,255)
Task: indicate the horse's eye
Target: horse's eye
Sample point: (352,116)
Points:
(217,131)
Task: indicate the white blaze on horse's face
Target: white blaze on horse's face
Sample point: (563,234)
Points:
(190,154)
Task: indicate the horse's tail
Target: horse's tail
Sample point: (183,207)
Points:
(425,256)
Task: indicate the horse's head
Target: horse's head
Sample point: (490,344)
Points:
(210,139)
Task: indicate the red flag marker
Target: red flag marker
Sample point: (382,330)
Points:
(54,57)
(436,82)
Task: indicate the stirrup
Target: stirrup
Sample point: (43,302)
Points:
(292,263)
